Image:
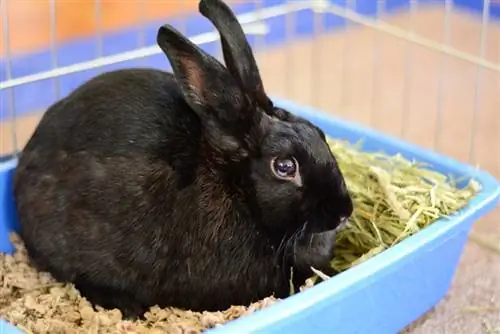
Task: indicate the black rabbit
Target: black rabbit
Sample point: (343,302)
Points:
(189,190)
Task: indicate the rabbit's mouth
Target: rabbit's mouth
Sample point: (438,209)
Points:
(315,249)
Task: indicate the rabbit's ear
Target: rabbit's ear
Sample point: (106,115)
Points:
(209,89)
(238,54)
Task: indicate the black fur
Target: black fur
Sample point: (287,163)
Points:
(142,187)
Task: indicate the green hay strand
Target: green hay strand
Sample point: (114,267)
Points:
(394,198)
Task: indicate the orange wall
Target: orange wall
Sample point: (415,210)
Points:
(29,20)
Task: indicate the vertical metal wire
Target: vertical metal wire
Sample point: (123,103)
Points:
(141,35)
(479,79)
(350,5)
(53,45)
(260,39)
(442,74)
(290,59)
(317,51)
(498,100)
(376,60)
(98,27)
(8,75)
(408,72)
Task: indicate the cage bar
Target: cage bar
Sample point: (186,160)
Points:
(289,57)
(408,71)
(376,60)
(343,12)
(98,27)
(479,79)
(53,46)
(448,5)
(317,51)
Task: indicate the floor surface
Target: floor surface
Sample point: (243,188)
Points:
(394,86)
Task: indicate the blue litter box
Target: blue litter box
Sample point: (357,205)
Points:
(403,282)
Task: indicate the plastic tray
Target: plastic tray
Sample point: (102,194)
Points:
(381,295)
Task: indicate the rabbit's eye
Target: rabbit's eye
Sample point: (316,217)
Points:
(284,167)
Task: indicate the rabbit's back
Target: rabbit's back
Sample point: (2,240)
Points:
(117,113)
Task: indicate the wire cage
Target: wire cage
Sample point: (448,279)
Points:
(432,69)
(424,71)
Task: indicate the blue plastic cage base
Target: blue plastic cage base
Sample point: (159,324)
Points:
(405,281)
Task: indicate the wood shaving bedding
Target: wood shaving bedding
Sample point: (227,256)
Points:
(36,303)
